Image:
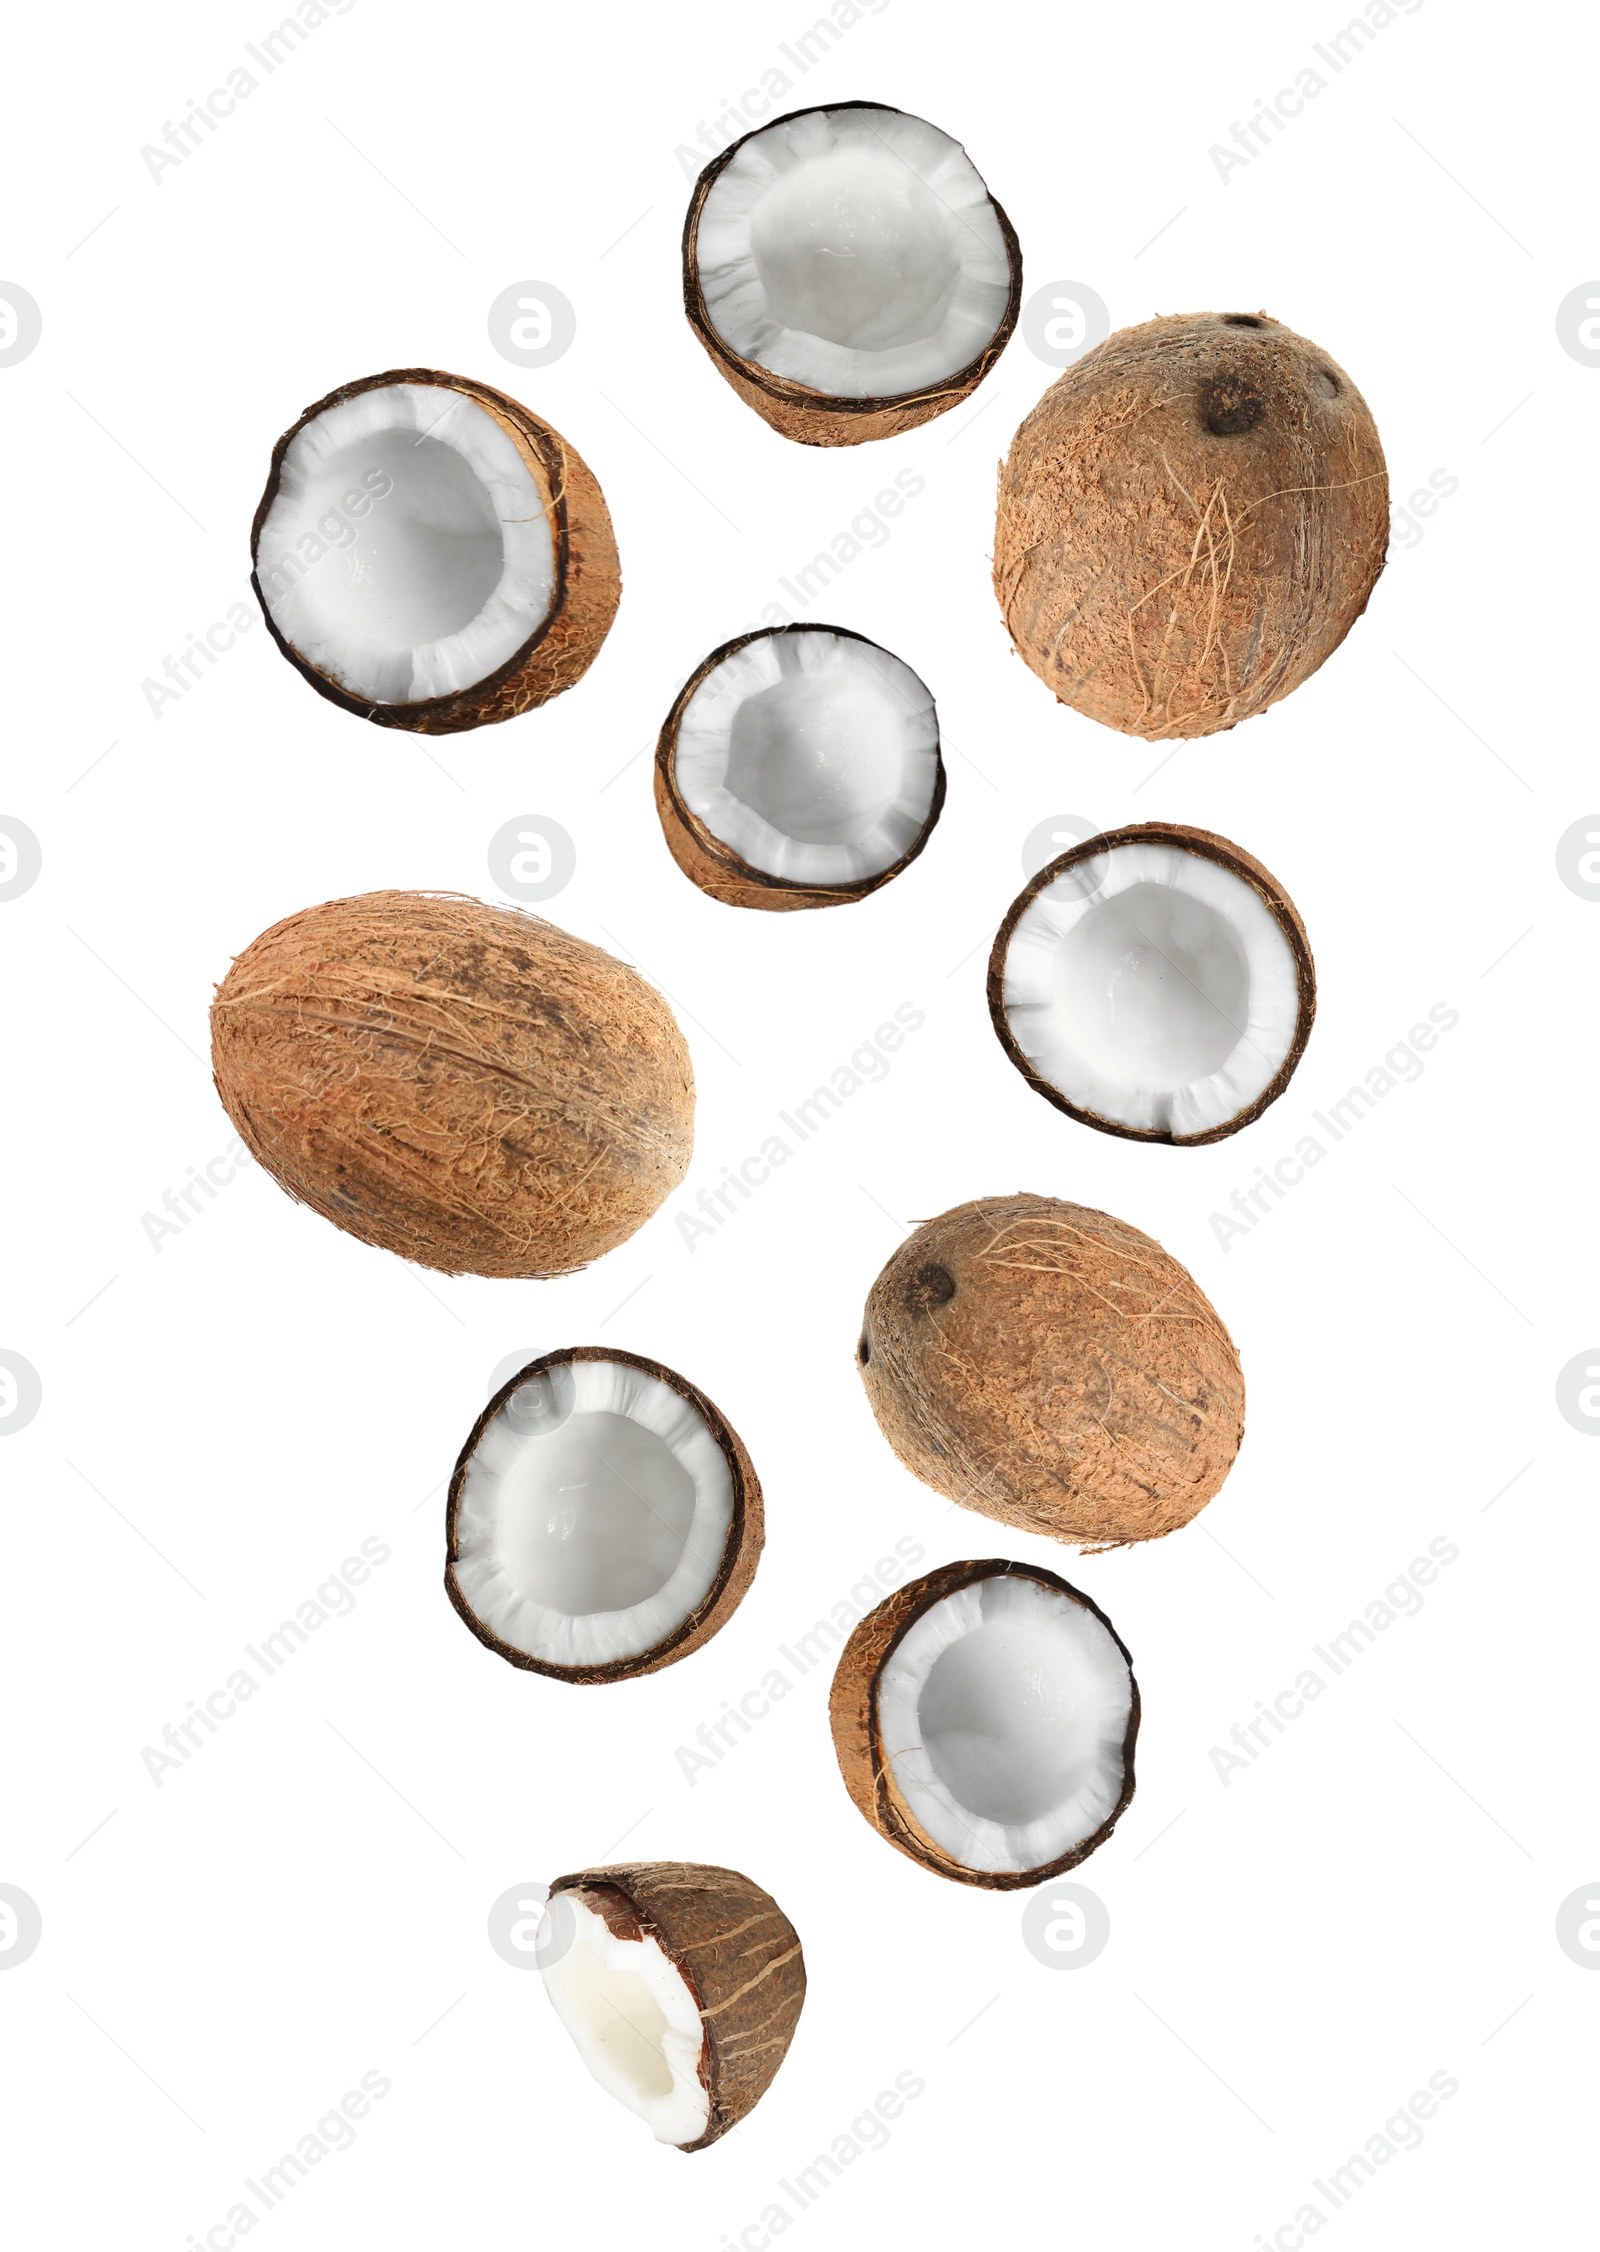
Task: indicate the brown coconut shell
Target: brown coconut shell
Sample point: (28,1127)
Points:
(466,1085)
(794,410)
(736,1951)
(586,584)
(863,1756)
(1052,1368)
(1190,521)
(740,1554)
(707,861)
(1206,846)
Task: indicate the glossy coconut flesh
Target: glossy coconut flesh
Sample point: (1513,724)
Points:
(631,2015)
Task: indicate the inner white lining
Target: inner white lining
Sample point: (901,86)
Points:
(1154,988)
(633,2018)
(593,1516)
(812,756)
(854,251)
(1003,1712)
(407,552)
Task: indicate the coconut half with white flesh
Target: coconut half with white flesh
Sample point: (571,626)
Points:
(681,1986)
(799,767)
(603,1520)
(849,273)
(430,555)
(984,1719)
(1155,982)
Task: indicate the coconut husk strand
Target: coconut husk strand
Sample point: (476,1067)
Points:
(1190,521)
(1052,1368)
(466,1085)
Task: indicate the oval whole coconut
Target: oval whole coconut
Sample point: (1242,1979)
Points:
(1190,521)
(1052,1368)
(463,1084)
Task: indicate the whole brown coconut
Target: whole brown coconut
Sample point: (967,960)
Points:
(1052,1368)
(463,1084)
(1190,521)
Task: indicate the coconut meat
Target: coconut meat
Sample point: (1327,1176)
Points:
(854,251)
(813,756)
(1003,1711)
(631,2014)
(1154,988)
(593,1516)
(408,550)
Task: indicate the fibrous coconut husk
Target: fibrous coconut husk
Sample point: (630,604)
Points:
(466,1085)
(1052,1368)
(735,1949)
(586,584)
(1190,521)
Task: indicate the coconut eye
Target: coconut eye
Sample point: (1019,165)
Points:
(930,1287)
(1328,383)
(1228,408)
(1243,320)
(863,1350)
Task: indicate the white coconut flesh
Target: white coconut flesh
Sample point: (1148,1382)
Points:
(814,757)
(853,251)
(1154,988)
(1003,1712)
(631,2015)
(407,553)
(593,1516)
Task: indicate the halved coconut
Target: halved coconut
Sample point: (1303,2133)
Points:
(1155,982)
(799,767)
(984,1719)
(849,273)
(603,1520)
(1053,1368)
(681,1986)
(432,556)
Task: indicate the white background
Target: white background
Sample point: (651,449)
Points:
(225,1418)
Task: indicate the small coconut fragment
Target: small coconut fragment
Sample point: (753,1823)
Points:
(984,1718)
(799,767)
(1155,982)
(604,1518)
(1054,1369)
(1190,521)
(430,555)
(681,1986)
(463,1084)
(849,273)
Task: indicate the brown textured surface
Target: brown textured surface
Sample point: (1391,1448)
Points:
(739,1955)
(740,1554)
(585,589)
(817,418)
(1054,1369)
(858,1741)
(466,1085)
(1208,846)
(715,866)
(1190,521)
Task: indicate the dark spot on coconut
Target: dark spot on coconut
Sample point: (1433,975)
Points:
(863,1350)
(1243,320)
(1229,406)
(1328,383)
(930,1287)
